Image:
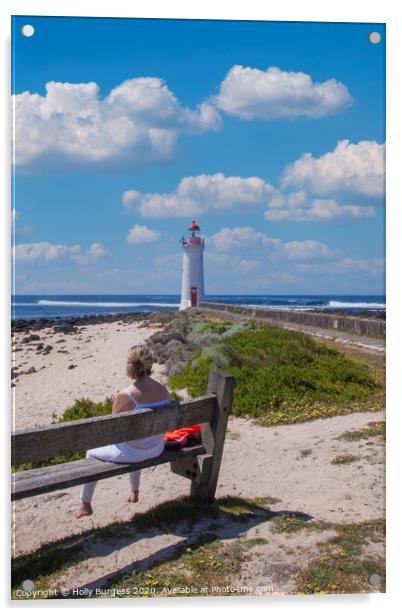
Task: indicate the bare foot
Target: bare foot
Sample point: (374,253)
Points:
(85,509)
(133,497)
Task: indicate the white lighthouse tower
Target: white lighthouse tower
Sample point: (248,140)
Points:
(192,288)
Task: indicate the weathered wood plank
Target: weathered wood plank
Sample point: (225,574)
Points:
(195,468)
(213,436)
(50,478)
(61,468)
(70,437)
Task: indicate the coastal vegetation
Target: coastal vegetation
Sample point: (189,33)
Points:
(281,376)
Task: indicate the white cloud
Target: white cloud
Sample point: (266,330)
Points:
(350,168)
(240,238)
(229,240)
(139,234)
(200,194)
(299,206)
(130,198)
(250,93)
(17,229)
(47,251)
(43,250)
(95,252)
(224,263)
(308,249)
(138,122)
(345,266)
(349,171)
(248,265)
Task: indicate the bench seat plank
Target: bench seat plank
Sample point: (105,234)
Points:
(49,478)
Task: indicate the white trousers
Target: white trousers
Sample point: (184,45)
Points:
(118,453)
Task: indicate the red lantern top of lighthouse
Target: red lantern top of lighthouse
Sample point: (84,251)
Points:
(193,226)
(194,238)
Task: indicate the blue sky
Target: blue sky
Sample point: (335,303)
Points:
(270,134)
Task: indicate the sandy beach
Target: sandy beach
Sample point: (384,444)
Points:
(91,363)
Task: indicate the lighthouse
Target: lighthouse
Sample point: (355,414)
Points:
(192,287)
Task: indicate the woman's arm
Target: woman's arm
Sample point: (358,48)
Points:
(121,403)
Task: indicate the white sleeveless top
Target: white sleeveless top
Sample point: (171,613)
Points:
(151,442)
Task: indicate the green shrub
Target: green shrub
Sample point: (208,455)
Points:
(84,408)
(236,328)
(217,357)
(281,376)
(196,329)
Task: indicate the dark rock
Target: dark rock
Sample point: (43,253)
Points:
(71,366)
(65,329)
(40,346)
(31,338)
(30,370)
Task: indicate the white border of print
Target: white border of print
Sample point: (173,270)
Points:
(288,10)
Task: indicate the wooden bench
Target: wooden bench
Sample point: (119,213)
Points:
(200,463)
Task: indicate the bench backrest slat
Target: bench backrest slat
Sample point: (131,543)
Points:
(74,436)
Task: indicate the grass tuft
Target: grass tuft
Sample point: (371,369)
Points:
(374,428)
(346,459)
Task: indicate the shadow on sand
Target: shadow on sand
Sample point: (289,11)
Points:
(192,522)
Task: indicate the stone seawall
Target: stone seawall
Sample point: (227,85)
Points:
(363,327)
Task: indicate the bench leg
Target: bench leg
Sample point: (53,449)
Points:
(213,437)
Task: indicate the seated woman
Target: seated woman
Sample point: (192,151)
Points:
(144,392)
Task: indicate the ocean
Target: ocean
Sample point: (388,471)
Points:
(62,306)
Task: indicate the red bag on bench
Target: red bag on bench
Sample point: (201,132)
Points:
(183,436)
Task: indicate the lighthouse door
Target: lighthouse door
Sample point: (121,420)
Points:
(193,296)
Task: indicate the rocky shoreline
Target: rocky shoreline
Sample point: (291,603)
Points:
(66,325)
